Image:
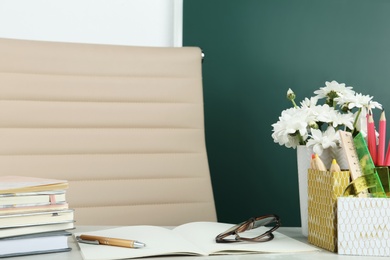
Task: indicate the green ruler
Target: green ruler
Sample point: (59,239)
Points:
(365,179)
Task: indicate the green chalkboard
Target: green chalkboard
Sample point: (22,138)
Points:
(254,51)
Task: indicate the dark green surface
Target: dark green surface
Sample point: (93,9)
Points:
(257,49)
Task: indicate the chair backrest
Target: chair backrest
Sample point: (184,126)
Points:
(123,124)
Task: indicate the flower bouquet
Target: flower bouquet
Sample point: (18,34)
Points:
(315,125)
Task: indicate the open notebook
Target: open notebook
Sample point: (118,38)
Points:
(196,238)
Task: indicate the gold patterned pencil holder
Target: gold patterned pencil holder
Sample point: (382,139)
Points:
(324,188)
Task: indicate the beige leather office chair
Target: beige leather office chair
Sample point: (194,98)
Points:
(124,125)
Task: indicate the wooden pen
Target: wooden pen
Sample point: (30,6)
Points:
(98,240)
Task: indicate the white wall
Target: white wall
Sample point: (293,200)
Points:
(126,22)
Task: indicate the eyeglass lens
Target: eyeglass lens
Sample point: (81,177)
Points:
(264,222)
(255,229)
(261,224)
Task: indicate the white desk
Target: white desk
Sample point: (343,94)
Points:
(289,231)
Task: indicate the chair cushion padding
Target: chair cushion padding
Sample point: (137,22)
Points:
(123,124)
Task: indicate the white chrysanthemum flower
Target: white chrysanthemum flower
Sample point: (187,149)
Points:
(312,102)
(343,100)
(345,120)
(325,114)
(291,122)
(309,114)
(323,140)
(334,86)
(358,100)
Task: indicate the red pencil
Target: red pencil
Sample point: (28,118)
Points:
(382,140)
(387,158)
(371,138)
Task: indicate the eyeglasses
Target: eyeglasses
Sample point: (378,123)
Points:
(238,234)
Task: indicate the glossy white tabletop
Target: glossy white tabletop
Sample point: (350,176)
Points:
(292,232)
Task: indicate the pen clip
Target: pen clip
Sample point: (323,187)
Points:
(92,242)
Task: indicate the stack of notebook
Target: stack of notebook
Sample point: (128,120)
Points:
(34,216)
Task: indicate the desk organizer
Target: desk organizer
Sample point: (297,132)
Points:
(383,173)
(363,226)
(324,188)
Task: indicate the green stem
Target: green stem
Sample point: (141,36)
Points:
(295,105)
(356,119)
(300,138)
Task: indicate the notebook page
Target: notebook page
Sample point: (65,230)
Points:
(158,240)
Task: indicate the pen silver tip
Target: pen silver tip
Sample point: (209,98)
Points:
(138,244)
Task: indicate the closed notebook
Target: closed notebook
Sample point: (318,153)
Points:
(10,232)
(35,218)
(28,199)
(36,208)
(196,238)
(17,184)
(42,243)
